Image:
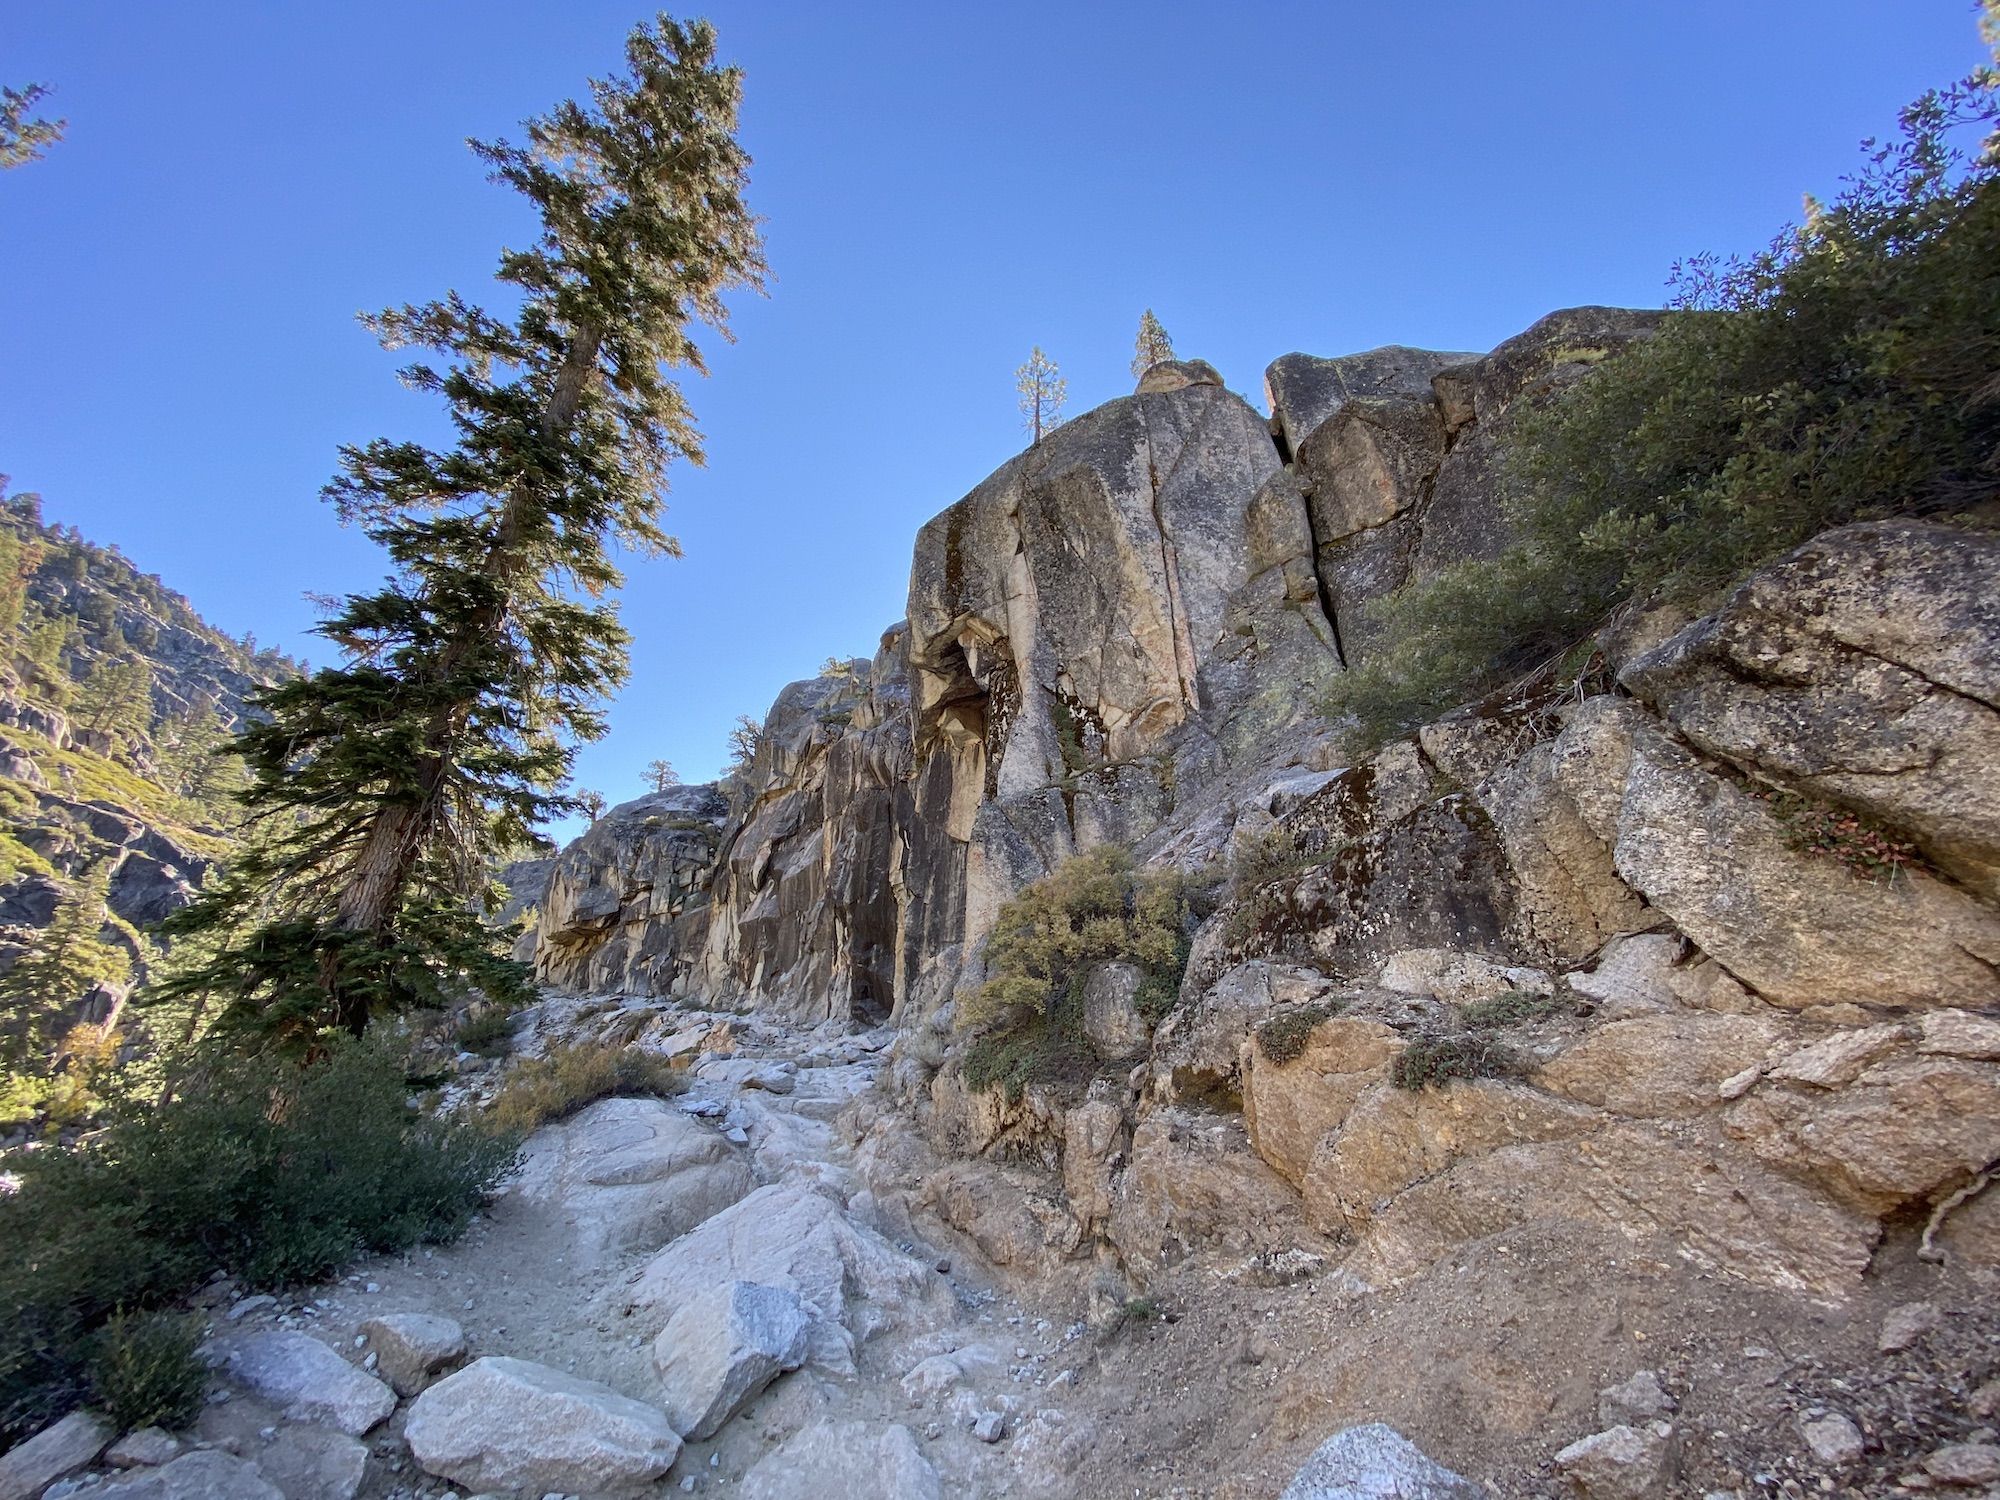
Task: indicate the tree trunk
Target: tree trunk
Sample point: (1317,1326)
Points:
(397,834)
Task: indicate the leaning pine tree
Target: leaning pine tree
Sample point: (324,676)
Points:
(382,786)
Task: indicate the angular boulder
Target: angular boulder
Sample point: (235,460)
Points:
(1861,669)
(410,1348)
(1717,859)
(722,1348)
(1376,1462)
(854,1460)
(1622,1463)
(509,1424)
(207,1474)
(848,1277)
(308,1461)
(61,1448)
(300,1374)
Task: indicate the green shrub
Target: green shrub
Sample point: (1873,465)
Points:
(1432,1060)
(272,1171)
(1510,1009)
(1283,1038)
(1842,375)
(488,1033)
(541,1089)
(146,1370)
(1091,909)
(1032,1053)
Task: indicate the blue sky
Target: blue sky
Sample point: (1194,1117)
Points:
(944,185)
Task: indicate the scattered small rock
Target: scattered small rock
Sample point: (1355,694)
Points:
(1965,1463)
(1636,1400)
(990,1426)
(241,1310)
(1905,1325)
(1833,1439)
(147,1448)
(1622,1463)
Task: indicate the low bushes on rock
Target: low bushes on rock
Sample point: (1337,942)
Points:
(556,1086)
(257,1166)
(1283,1038)
(146,1371)
(1509,1009)
(487,1033)
(1431,1060)
(1098,907)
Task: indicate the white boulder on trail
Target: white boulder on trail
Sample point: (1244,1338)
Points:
(509,1424)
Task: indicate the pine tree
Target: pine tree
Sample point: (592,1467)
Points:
(44,641)
(22,139)
(744,738)
(1043,391)
(660,775)
(116,697)
(590,804)
(447,731)
(64,962)
(1152,345)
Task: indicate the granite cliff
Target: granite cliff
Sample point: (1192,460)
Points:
(1697,947)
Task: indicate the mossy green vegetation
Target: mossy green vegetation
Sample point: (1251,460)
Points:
(1842,375)
(1431,1060)
(1283,1038)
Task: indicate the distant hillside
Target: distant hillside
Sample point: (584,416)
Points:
(116,700)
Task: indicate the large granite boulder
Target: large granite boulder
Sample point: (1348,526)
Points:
(629,1175)
(205,1475)
(508,1424)
(61,1448)
(723,1347)
(854,1460)
(1375,1462)
(308,1380)
(849,1279)
(1715,857)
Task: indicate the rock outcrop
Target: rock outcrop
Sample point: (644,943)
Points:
(1699,950)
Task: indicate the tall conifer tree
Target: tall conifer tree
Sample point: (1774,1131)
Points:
(382,785)
(1043,391)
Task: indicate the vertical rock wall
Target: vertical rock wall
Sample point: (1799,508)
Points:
(1117,637)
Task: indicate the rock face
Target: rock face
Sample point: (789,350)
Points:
(507,1424)
(1622,938)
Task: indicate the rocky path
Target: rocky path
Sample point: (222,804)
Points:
(677,1254)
